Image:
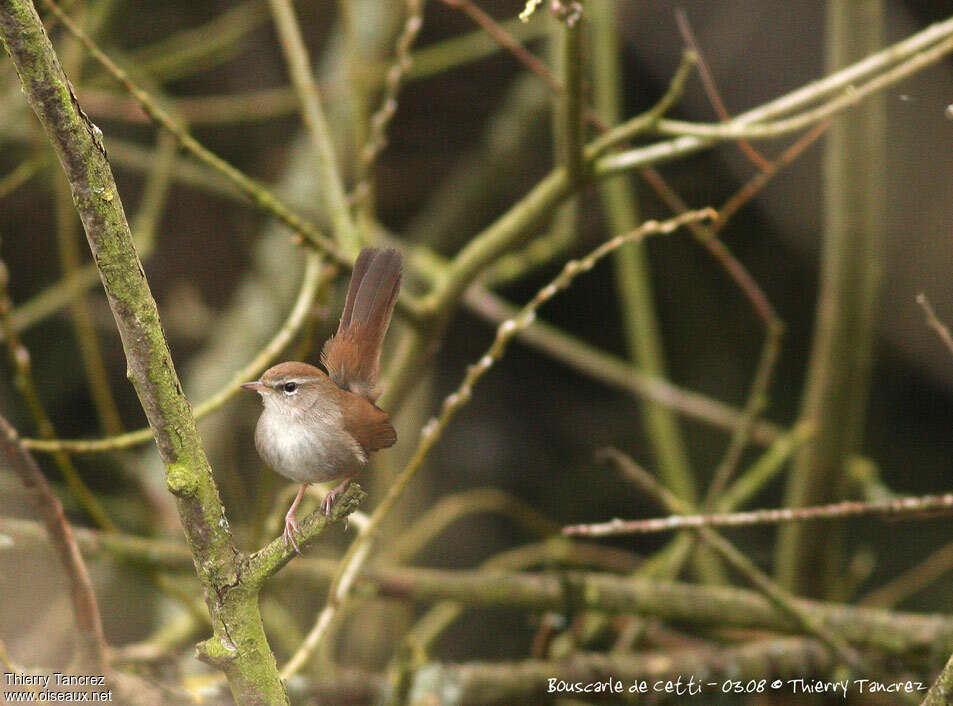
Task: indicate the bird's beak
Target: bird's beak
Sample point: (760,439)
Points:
(256,386)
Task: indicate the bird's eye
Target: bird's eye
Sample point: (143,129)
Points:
(289,387)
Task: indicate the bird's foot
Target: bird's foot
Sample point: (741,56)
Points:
(291,528)
(328,502)
(332,495)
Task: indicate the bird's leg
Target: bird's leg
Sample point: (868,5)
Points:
(291,524)
(329,499)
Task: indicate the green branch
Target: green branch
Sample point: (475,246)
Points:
(903,634)
(328,174)
(853,258)
(230,580)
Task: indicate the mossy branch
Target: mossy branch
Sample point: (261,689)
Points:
(229,579)
(892,632)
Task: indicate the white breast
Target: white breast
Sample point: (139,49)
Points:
(310,450)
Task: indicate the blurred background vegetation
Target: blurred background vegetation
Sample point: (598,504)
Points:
(472,132)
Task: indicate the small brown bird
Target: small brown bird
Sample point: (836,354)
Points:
(318,426)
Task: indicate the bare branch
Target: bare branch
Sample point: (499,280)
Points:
(896,508)
(85,608)
(933,322)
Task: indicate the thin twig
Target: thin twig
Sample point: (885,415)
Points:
(706,235)
(757,401)
(711,88)
(632,127)
(737,130)
(921,49)
(302,78)
(610,370)
(314,278)
(641,123)
(926,572)
(256,105)
(506,40)
(377,139)
(85,607)
(933,322)
(253,105)
(202,47)
(84,331)
(25,383)
(765,469)
(570,133)
(896,508)
(257,194)
(778,596)
(754,185)
(468,48)
(754,293)
(456,506)
(774,330)
(542,250)
(360,550)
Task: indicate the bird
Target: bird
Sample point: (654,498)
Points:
(321,425)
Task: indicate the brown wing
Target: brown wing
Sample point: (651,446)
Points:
(368,424)
(352,355)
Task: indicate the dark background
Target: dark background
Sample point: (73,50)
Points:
(533,424)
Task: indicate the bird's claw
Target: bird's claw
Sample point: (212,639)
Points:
(291,527)
(328,502)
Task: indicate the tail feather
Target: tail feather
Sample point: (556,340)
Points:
(357,275)
(375,297)
(352,356)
